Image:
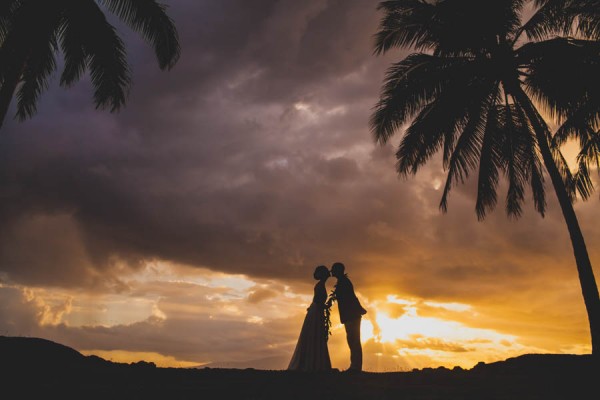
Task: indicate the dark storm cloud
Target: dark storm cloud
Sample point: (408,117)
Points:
(211,164)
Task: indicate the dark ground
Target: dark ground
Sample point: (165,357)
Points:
(32,368)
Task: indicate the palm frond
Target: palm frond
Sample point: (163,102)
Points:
(558,158)
(565,171)
(435,125)
(549,19)
(550,79)
(14,24)
(533,163)
(590,150)
(589,153)
(564,17)
(40,65)
(73,34)
(515,159)
(405,24)
(149,18)
(579,124)
(7,10)
(103,51)
(466,153)
(489,165)
(408,87)
(457,27)
(588,17)
(582,181)
(28,51)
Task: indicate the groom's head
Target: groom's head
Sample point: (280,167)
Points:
(337,269)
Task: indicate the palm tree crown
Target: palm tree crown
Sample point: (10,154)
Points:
(32,32)
(484,87)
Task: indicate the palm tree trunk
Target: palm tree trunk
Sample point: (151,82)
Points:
(587,281)
(6,94)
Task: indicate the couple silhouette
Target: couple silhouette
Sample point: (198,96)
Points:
(311,353)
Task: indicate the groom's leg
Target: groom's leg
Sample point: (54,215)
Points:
(353,337)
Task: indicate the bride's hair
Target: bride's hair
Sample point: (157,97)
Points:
(321,272)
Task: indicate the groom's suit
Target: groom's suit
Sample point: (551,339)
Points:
(351,313)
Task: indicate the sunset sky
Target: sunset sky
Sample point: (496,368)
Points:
(185,229)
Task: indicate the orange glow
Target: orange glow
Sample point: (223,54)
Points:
(398,333)
(121,356)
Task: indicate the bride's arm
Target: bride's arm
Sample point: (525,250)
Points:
(331,299)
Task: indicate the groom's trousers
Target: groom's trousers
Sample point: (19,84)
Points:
(353,337)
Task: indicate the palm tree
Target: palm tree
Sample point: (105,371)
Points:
(484,88)
(32,32)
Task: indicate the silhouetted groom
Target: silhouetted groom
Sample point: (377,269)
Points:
(351,313)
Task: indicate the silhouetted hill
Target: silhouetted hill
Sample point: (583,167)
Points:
(33,368)
(23,353)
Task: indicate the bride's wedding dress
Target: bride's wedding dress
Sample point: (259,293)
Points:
(311,352)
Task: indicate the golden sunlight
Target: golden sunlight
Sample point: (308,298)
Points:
(395,327)
(399,319)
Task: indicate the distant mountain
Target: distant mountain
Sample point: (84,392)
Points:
(34,368)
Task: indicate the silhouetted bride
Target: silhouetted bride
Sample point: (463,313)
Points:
(311,352)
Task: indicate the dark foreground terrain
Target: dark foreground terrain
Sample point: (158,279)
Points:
(32,368)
